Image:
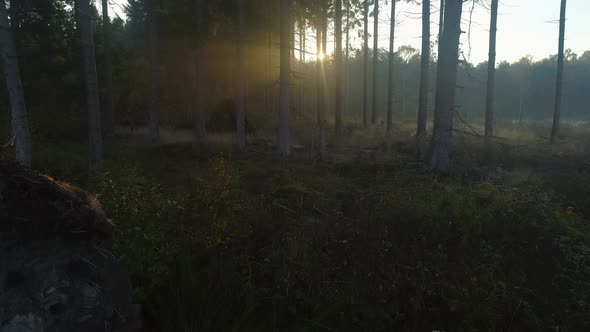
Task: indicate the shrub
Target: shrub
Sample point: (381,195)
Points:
(147,221)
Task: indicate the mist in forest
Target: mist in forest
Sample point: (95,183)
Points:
(291,165)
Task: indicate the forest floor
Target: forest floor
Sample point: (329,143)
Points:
(218,239)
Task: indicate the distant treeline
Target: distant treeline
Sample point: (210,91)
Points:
(524,89)
(49,53)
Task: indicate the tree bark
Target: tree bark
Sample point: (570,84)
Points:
(347,56)
(155,72)
(424,79)
(285,73)
(200,115)
(365,64)
(339,97)
(110,101)
(241,82)
(390,81)
(92,98)
(441,21)
(269,99)
(559,79)
(323,83)
(318,77)
(302,49)
(375,59)
(446,83)
(18,110)
(491,86)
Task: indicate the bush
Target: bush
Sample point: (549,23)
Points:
(147,221)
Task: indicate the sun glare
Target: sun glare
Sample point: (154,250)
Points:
(321,56)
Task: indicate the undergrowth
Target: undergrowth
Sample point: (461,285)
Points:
(251,242)
(348,247)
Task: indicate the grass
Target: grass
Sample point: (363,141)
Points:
(217,239)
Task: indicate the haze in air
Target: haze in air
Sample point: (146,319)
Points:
(294,165)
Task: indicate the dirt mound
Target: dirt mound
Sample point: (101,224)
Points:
(56,272)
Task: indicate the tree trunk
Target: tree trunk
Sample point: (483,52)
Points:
(347,56)
(269,100)
(424,79)
(375,59)
(18,110)
(110,101)
(302,66)
(559,79)
(92,98)
(365,64)
(446,83)
(241,81)
(200,116)
(339,97)
(323,85)
(390,81)
(285,73)
(441,21)
(318,77)
(489,125)
(155,73)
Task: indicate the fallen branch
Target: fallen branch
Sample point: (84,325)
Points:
(284,207)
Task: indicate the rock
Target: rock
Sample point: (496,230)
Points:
(56,271)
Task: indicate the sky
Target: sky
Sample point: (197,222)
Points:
(525,27)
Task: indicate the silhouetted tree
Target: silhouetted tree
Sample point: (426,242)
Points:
(347,55)
(424,79)
(441,20)
(338,70)
(155,71)
(241,81)
(375,59)
(285,73)
(200,116)
(323,83)
(91,80)
(446,83)
(108,63)
(489,123)
(18,110)
(390,81)
(365,62)
(559,78)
